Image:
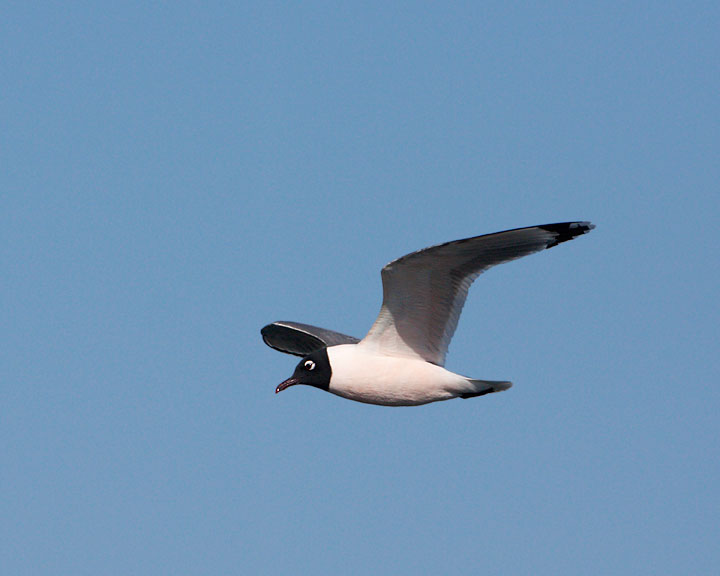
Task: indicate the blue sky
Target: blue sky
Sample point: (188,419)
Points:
(176,175)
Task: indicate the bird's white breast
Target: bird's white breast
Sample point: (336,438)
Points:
(365,376)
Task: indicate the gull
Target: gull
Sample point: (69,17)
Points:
(400,362)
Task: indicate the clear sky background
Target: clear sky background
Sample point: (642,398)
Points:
(176,175)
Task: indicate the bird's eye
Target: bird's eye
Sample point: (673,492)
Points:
(309,365)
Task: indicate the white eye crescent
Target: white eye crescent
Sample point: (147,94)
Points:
(309,365)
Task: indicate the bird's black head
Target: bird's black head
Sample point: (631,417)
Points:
(313,370)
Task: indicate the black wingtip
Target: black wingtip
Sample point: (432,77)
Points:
(565,231)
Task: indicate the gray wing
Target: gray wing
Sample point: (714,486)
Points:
(424,292)
(301,339)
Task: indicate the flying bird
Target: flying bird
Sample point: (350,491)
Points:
(400,362)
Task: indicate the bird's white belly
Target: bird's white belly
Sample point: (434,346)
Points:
(388,380)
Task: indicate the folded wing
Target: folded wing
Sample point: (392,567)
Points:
(424,292)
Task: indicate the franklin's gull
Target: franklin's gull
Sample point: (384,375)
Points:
(400,361)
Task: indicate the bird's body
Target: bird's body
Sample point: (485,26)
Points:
(361,374)
(400,362)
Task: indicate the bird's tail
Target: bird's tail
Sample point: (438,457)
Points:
(482,387)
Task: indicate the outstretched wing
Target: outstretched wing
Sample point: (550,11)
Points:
(301,339)
(424,292)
